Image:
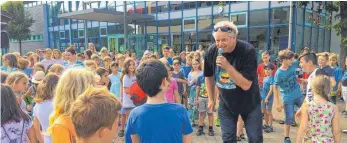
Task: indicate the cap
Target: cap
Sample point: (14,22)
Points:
(176,62)
(269,65)
(147,53)
(39,76)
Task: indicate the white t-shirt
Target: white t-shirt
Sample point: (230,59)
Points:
(42,112)
(309,94)
(127,82)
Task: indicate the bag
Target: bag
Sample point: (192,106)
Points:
(14,140)
(137,95)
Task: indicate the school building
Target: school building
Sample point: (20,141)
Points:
(153,24)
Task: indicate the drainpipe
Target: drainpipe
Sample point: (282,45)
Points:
(290,25)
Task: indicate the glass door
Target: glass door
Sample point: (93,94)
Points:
(116,43)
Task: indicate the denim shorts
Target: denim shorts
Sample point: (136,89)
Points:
(267,106)
(289,109)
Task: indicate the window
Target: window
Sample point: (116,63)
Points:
(205,22)
(314,39)
(239,19)
(189,24)
(322,20)
(67,34)
(163,40)
(190,39)
(151,7)
(163,6)
(189,4)
(205,39)
(279,38)
(95,32)
(62,34)
(103,31)
(74,33)
(327,40)
(308,17)
(280,16)
(299,15)
(258,38)
(321,40)
(242,34)
(81,33)
(218,18)
(258,18)
(176,25)
(204,3)
(176,42)
(307,36)
(175,5)
(298,39)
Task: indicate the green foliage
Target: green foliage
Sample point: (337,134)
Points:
(21,21)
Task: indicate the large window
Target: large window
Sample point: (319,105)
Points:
(258,38)
(242,34)
(163,6)
(327,40)
(307,37)
(314,39)
(308,17)
(151,42)
(280,16)
(279,38)
(298,39)
(205,22)
(321,40)
(258,18)
(190,39)
(176,42)
(218,18)
(239,19)
(189,4)
(205,39)
(175,5)
(176,25)
(204,3)
(189,24)
(299,15)
(163,40)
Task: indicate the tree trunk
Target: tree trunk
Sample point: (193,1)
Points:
(20,47)
(343,53)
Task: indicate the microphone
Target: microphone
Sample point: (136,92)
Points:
(220,53)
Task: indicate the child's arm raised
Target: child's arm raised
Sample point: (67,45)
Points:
(336,125)
(303,123)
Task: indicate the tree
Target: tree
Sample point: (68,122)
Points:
(21,21)
(340,7)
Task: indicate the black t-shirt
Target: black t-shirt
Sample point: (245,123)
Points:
(243,58)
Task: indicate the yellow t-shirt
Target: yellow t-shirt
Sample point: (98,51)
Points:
(63,130)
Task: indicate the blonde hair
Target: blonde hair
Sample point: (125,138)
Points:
(23,63)
(324,54)
(56,68)
(106,58)
(321,86)
(94,109)
(228,24)
(71,84)
(56,50)
(90,63)
(103,49)
(332,56)
(15,77)
(95,56)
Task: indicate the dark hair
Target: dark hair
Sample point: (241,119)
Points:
(149,76)
(10,110)
(114,64)
(101,71)
(125,68)
(4,76)
(80,55)
(309,57)
(71,50)
(89,53)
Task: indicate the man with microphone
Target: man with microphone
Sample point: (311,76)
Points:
(231,64)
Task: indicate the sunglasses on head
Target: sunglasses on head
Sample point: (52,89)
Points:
(223,29)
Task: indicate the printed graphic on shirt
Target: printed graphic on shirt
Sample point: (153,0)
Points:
(224,81)
(203,91)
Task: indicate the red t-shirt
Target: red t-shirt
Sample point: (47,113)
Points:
(261,73)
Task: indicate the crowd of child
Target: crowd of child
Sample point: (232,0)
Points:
(53,96)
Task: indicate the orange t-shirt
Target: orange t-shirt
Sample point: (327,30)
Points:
(63,130)
(261,73)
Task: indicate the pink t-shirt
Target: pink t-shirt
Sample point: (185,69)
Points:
(170,97)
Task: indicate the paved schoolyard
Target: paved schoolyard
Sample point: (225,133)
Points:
(274,137)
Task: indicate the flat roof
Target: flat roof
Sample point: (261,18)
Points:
(105,15)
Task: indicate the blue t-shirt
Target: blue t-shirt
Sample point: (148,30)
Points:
(267,82)
(344,79)
(186,70)
(338,76)
(115,84)
(77,64)
(286,80)
(5,69)
(28,71)
(170,61)
(158,123)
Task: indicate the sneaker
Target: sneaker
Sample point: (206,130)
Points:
(287,140)
(294,124)
(121,133)
(238,139)
(200,132)
(269,129)
(265,127)
(341,99)
(210,132)
(242,136)
(193,124)
(217,123)
(344,112)
(281,122)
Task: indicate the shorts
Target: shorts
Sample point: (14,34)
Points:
(344,93)
(289,109)
(124,109)
(267,106)
(203,103)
